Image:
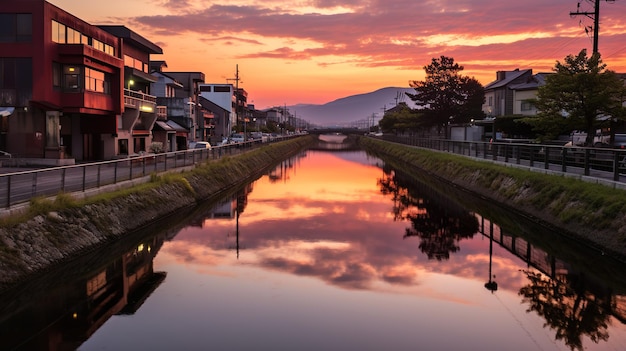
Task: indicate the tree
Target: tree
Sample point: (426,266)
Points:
(581,95)
(400,120)
(446,96)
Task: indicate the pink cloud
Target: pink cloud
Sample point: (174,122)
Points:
(397,34)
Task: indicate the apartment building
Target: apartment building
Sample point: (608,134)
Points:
(71,90)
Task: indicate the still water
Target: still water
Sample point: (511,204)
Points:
(330,251)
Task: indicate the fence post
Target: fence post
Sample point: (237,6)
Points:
(9,192)
(616,166)
(33,187)
(63,180)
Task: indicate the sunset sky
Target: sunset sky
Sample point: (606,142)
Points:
(316,51)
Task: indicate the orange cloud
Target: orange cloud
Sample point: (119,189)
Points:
(291,53)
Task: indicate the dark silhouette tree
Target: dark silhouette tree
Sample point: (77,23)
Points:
(570,311)
(401,120)
(439,226)
(446,96)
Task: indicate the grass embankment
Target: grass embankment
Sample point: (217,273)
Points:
(53,230)
(591,212)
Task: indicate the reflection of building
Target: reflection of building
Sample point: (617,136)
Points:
(63,316)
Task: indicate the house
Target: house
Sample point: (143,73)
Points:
(525,91)
(189,115)
(166,131)
(71,90)
(220,121)
(499,97)
(222,95)
(63,84)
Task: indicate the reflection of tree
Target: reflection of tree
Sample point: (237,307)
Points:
(439,225)
(570,310)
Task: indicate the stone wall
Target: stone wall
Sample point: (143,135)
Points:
(73,228)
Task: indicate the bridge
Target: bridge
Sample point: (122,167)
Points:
(337,129)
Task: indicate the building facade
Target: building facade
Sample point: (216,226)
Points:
(499,96)
(66,92)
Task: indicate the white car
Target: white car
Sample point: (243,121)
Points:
(237,138)
(202,145)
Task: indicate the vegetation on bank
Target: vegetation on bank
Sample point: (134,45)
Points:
(51,231)
(222,171)
(591,211)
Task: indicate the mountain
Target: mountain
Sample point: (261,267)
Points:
(352,108)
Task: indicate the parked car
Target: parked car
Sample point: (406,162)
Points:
(620,141)
(202,145)
(237,138)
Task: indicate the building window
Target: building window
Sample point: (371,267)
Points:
(58,32)
(222,89)
(16,27)
(122,146)
(97,81)
(205,88)
(71,78)
(97,44)
(73,36)
(137,64)
(527,106)
(490,101)
(16,81)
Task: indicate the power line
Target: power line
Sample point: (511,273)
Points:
(595,16)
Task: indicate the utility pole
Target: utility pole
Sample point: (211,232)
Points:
(236,79)
(595,17)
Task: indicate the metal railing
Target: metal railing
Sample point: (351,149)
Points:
(20,187)
(601,163)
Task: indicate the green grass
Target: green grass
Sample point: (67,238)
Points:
(568,199)
(222,173)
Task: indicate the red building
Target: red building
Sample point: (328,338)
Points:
(63,92)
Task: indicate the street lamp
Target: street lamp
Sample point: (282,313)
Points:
(130,82)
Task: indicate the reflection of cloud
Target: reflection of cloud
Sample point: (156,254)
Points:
(345,237)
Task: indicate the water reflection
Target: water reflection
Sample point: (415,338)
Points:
(438,223)
(572,303)
(65,308)
(322,248)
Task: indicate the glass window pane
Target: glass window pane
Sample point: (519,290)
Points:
(24,27)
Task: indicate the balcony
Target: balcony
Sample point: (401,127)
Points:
(139,101)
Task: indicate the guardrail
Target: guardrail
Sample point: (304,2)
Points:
(603,163)
(20,187)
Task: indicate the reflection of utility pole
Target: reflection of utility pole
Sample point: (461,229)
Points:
(595,17)
(491,285)
(240,205)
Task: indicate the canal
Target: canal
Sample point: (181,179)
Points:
(329,251)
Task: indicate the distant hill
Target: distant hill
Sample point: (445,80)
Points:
(353,108)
